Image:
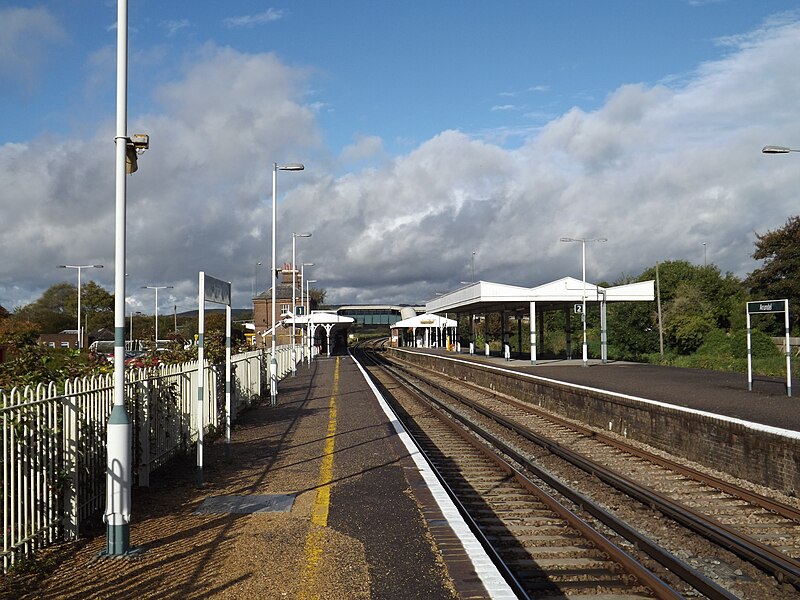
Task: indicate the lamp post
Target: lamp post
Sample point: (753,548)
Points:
(294,297)
(273,363)
(255,279)
(130,333)
(302,279)
(705,254)
(79,267)
(583,311)
(473,266)
(156,288)
(308,314)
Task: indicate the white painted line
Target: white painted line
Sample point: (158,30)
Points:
(486,570)
(789,433)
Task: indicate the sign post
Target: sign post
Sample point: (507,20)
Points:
(765,307)
(219,292)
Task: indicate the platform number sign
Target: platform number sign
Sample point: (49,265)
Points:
(299,311)
(766,307)
(577,309)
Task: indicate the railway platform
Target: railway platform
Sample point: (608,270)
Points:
(715,392)
(320,498)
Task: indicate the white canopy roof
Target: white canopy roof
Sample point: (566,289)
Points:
(319,318)
(487,296)
(425,320)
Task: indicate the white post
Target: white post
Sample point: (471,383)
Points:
(227,381)
(583,314)
(533,332)
(201,328)
(749,356)
(788,349)
(117,513)
(273,365)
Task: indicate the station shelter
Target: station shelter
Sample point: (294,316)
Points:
(566,294)
(425,331)
(324,331)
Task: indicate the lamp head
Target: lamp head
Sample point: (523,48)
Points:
(776,150)
(290,167)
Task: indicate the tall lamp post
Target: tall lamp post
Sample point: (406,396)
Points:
(130,332)
(294,295)
(255,279)
(273,363)
(308,314)
(79,267)
(302,279)
(473,266)
(156,288)
(583,312)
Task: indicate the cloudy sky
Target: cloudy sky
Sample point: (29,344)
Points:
(429,130)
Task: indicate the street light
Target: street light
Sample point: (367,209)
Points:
(777,150)
(302,279)
(473,266)
(705,254)
(583,313)
(156,288)
(294,297)
(273,363)
(130,334)
(79,267)
(255,279)
(308,315)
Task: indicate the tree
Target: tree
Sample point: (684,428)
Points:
(54,311)
(694,301)
(97,307)
(316,298)
(779,275)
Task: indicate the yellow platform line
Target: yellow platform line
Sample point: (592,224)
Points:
(319,518)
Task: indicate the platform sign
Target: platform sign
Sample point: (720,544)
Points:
(211,289)
(577,309)
(766,307)
(299,310)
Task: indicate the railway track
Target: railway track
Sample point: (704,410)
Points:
(759,531)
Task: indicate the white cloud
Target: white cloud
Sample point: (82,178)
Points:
(365,148)
(658,170)
(268,16)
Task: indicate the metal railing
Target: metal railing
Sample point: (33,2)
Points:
(54,441)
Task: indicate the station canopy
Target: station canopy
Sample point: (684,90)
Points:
(486,297)
(425,320)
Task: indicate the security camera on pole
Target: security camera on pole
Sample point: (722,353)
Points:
(117,514)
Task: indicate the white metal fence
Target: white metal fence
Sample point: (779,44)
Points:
(54,456)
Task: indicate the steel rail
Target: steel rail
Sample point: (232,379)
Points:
(630,564)
(784,568)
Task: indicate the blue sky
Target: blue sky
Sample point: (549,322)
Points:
(428,130)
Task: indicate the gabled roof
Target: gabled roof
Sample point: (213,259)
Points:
(426,320)
(484,296)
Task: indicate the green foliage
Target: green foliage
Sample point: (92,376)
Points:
(779,276)
(55,311)
(734,345)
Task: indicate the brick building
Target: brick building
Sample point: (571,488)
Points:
(262,310)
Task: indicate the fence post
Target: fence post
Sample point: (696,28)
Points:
(146,387)
(70,465)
